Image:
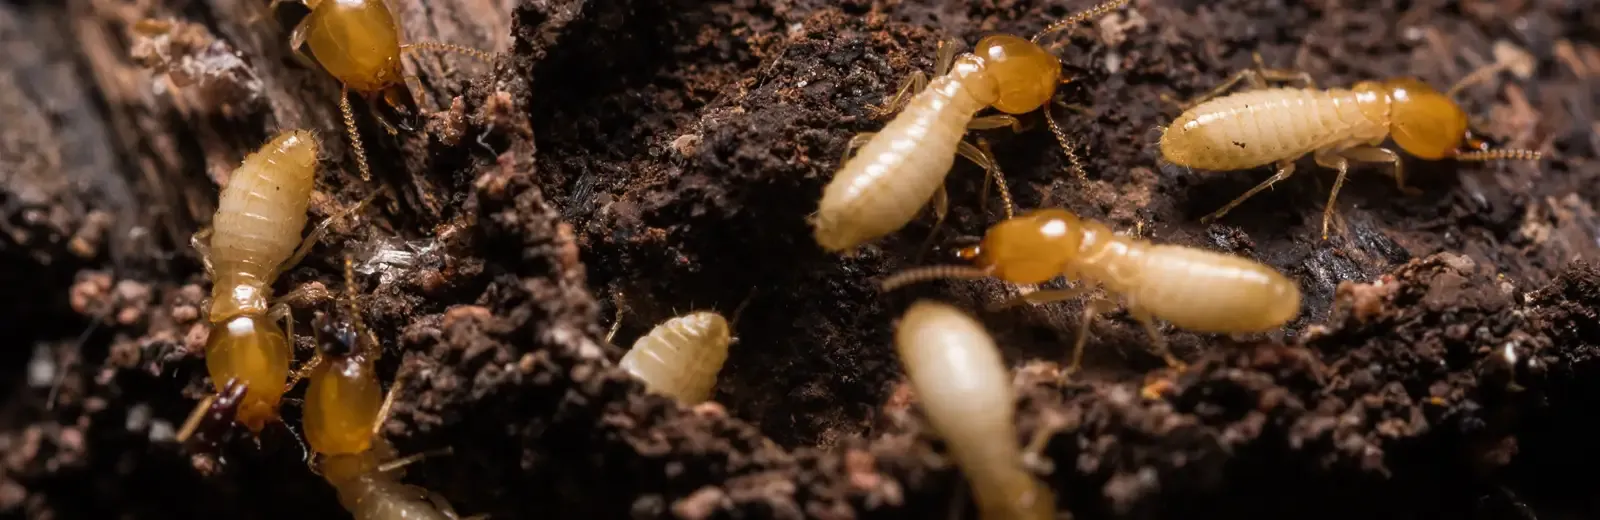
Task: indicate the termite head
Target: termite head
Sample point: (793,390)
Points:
(1026,74)
(1032,248)
(1424,122)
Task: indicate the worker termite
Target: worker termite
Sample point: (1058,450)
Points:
(1279,125)
(344,410)
(682,356)
(965,389)
(902,167)
(252,240)
(1194,289)
(358,42)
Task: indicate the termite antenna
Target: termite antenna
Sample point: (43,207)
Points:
(1092,12)
(936,272)
(413,459)
(1066,145)
(1495,155)
(737,311)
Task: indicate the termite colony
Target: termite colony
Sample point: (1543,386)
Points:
(953,365)
(951,362)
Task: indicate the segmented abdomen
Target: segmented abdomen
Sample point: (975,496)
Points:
(263,209)
(1195,289)
(1258,127)
(682,356)
(376,497)
(886,183)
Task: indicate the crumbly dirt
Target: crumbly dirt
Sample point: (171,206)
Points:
(662,156)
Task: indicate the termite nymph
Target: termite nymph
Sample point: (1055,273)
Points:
(1336,126)
(901,168)
(681,357)
(359,43)
(965,390)
(1195,289)
(344,410)
(252,240)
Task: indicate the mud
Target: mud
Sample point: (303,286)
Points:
(662,156)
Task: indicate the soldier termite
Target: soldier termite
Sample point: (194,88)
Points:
(1279,125)
(358,42)
(902,167)
(344,410)
(1194,289)
(682,356)
(252,240)
(965,389)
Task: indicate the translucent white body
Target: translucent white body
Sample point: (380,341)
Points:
(965,389)
(1259,127)
(259,219)
(682,356)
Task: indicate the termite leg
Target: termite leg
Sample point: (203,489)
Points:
(402,462)
(1285,169)
(995,121)
(1033,453)
(945,56)
(1157,341)
(856,141)
(991,168)
(622,307)
(195,417)
(913,84)
(388,405)
(1041,297)
(1256,77)
(1091,310)
(1330,159)
(201,242)
(1381,155)
(319,231)
(941,208)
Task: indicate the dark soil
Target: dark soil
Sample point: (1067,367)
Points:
(665,154)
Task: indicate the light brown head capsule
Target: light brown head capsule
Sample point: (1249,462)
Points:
(965,389)
(1024,73)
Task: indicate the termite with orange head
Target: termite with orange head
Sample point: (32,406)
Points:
(965,389)
(252,240)
(1195,289)
(345,409)
(358,42)
(899,169)
(1336,126)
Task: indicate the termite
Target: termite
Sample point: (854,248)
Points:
(1265,125)
(680,357)
(252,240)
(1194,289)
(358,42)
(903,167)
(965,390)
(345,409)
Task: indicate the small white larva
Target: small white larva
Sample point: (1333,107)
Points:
(965,390)
(682,356)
